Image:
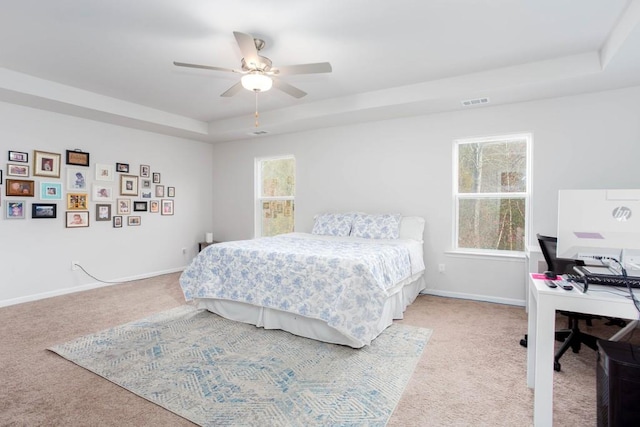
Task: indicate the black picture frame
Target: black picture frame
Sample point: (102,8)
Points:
(77,158)
(44,210)
(122,167)
(117,221)
(139,206)
(18,156)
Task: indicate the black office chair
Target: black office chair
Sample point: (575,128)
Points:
(572,337)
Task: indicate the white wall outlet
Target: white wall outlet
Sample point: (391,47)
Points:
(74,265)
(441,268)
(184,251)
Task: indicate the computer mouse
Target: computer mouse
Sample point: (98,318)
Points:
(549,274)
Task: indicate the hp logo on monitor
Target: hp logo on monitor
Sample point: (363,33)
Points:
(621,213)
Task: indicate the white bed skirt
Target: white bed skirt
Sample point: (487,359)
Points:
(400,297)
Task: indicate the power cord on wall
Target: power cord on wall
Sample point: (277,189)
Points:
(100,280)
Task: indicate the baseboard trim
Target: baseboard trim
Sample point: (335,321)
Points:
(95,285)
(473,297)
(85,287)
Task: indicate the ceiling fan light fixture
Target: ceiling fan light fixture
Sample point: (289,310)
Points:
(256,82)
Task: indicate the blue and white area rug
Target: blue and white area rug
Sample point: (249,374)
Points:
(216,372)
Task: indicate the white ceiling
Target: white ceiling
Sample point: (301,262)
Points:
(112,60)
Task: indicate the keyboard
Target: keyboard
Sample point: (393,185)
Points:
(606,280)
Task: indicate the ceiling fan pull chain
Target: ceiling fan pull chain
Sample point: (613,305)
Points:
(257,124)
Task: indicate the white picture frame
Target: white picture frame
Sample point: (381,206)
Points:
(77,180)
(104,172)
(101,193)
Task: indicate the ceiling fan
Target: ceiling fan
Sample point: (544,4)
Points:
(259,75)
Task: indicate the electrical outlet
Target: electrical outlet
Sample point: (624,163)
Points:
(184,251)
(441,268)
(74,265)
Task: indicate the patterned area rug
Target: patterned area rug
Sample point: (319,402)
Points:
(213,371)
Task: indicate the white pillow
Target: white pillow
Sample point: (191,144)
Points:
(330,224)
(383,226)
(412,227)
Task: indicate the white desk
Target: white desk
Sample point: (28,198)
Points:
(543,303)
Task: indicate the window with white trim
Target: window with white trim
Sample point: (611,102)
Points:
(275,188)
(491,193)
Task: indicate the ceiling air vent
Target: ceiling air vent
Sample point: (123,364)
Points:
(476,101)
(258,133)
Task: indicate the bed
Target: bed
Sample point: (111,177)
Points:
(343,283)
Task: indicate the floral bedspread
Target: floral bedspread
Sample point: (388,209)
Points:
(341,282)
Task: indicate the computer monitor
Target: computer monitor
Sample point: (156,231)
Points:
(600,223)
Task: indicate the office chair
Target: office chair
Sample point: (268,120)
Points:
(572,337)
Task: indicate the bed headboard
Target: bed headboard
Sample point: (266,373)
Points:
(412,227)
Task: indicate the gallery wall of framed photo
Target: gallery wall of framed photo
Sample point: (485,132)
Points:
(72,191)
(69,177)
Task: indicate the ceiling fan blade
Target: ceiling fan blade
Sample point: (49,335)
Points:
(205,67)
(319,67)
(247,48)
(288,89)
(232,90)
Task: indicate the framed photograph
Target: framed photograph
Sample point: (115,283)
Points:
(171,191)
(18,156)
(146,183)
(122,167)
(20,187)
(15,209)
(134,220)
(167,207)
(77,158)
(104,172)
(123,206)
(46,164)
(117,221)
(128,185)
(77,201)
(154,206)
(139,206)
(50,191)
(146,194)
(77,219)
(145,171)
(156,177)
(0,177)
(76,179)
(102,193)
(17,170)
(159,190)
(44,210)
(103,212)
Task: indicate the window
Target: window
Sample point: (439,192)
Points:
(491,192)
(275,195)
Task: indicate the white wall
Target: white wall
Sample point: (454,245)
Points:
(35,254)
(405,165)
(401,165)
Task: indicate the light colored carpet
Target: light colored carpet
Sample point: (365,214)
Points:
(213,371)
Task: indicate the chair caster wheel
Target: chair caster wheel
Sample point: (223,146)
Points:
(556,366)
(523,342)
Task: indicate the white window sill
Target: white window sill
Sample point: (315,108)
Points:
(515,256)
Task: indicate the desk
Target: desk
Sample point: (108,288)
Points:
(543,303)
